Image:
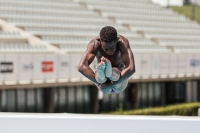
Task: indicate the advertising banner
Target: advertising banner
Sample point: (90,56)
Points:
(74,63)
(2,74)
(137,58)
(50,67)
(26,67)
(93,65)
(182,63)
(145,64)
(173,64)
(46,67)
(40,67)
(196,63)
(155,64)
(164,64)
(10,67)
(190,63)
(64,67)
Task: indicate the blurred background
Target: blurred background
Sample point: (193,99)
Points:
(42,41)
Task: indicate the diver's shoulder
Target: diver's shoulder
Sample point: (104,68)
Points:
(121,37)
(95,43)
(122,41)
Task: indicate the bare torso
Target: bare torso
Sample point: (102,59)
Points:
(115,59)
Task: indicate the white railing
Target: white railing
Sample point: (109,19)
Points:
(195,1)
(78,123)
(169,2)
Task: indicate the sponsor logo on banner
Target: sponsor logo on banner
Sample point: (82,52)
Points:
(156,64)
(195,63)
(144,63)
(6,67)
(27,67)
(64,65)
(47,66)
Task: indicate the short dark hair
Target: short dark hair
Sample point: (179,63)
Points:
(108,34)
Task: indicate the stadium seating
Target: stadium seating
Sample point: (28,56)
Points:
(181,42)
(64,23)
(23,48)
(172,35)
(154,22)
(186,49)
(8,37)
(13,42)
(150,49)
(70,25)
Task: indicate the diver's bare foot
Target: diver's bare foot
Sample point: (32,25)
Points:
(108,69)
(101,70)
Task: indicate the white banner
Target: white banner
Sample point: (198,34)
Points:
(165,64)
(74,63)
(2,73)
(145,64)
(137,58)
(26,67)
(181,64)
(93,65)
(155,64)
(190,63)
(196,63)
(50,66)
(173,64)
(38,72)
(64,67)
(10,67)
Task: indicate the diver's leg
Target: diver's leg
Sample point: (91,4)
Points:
(120,87)
(116,74)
